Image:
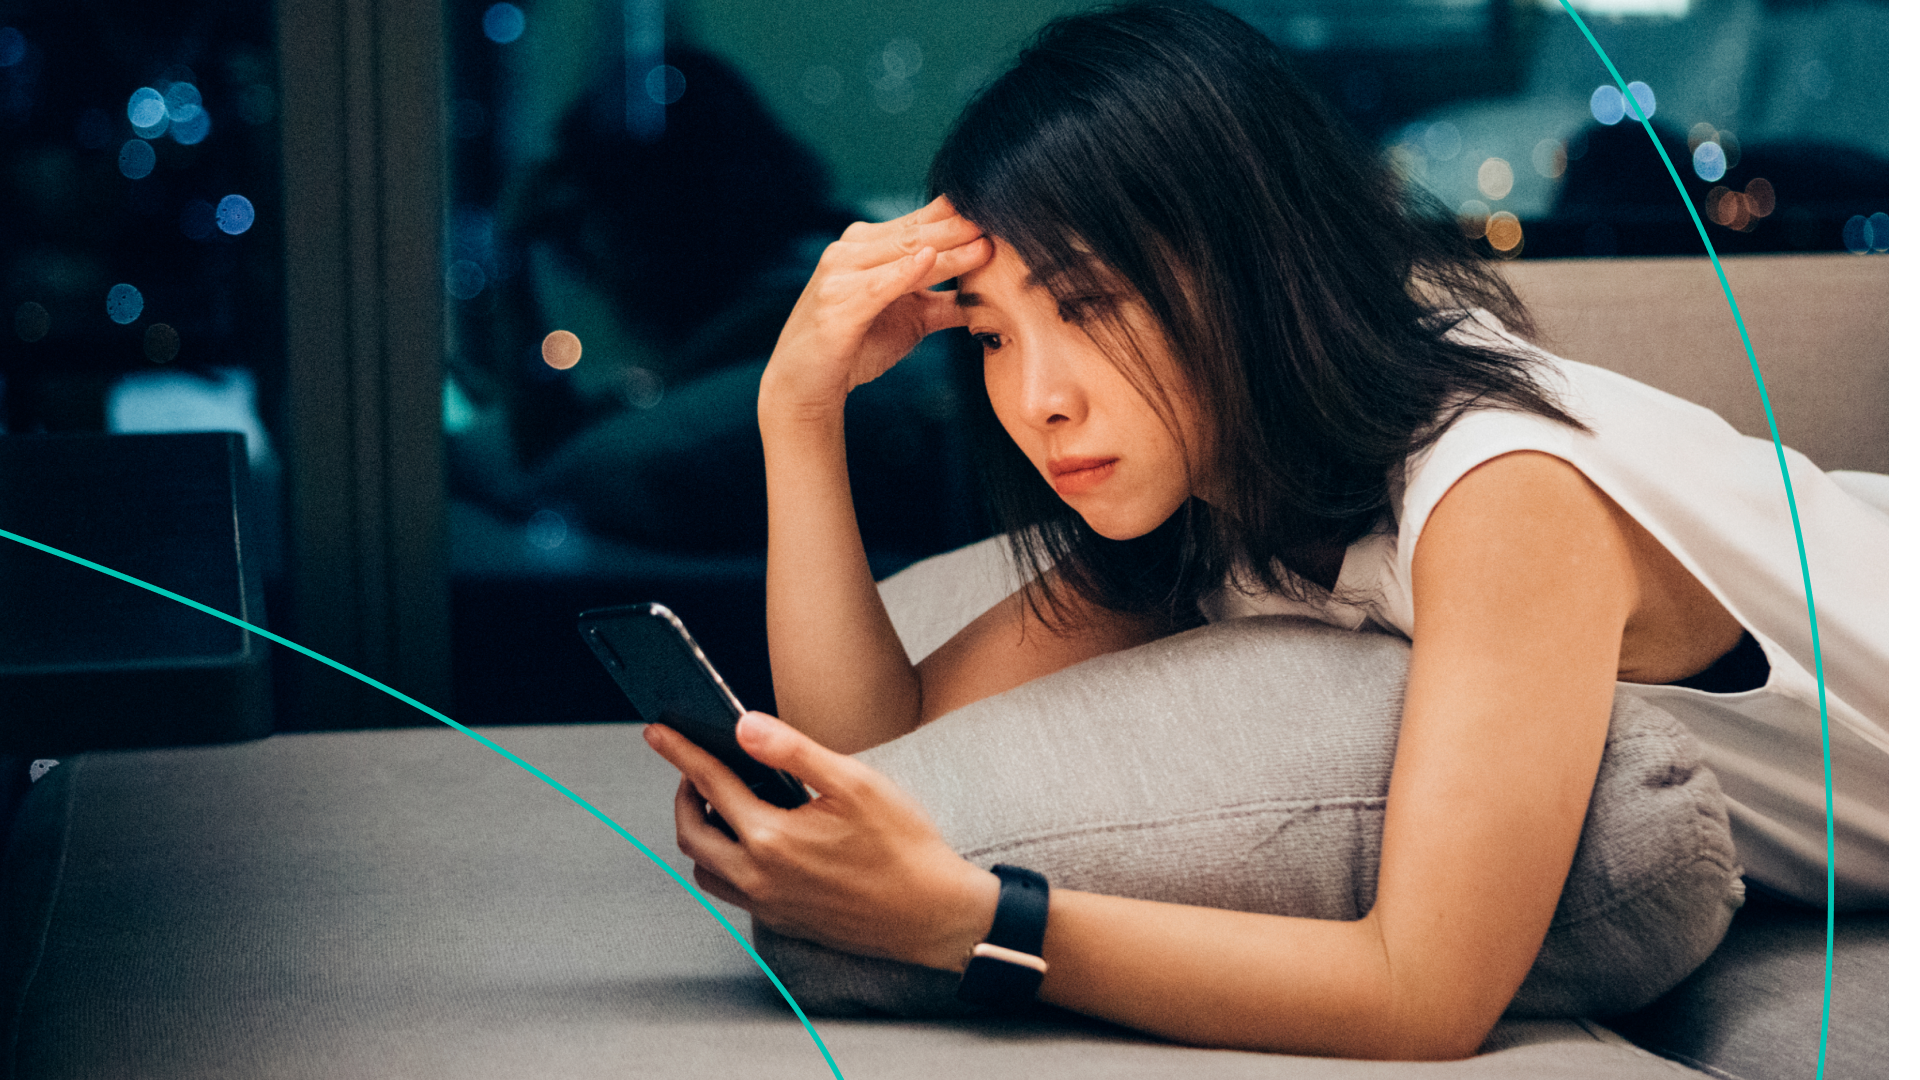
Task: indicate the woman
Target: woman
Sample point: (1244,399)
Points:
(1240,377)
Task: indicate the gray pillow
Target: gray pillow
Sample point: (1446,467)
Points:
(1244,765)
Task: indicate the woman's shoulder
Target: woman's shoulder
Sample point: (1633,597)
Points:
(1625,423)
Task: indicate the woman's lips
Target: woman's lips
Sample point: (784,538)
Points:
(1073,476)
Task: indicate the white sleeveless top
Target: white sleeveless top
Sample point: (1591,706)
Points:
(1712,497)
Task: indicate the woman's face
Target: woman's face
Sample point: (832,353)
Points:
(1092,434)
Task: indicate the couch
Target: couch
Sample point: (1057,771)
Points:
(410,903)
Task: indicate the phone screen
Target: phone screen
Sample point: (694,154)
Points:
(669,681)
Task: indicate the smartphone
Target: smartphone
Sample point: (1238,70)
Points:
(669,681)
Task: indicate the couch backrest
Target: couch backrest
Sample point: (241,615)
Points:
(1818,324)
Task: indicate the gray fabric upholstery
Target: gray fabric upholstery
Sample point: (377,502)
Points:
(1244,765)
(405,904)
(1752,1011)
(934,598)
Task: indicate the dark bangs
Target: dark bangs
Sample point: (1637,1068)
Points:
(1306,297)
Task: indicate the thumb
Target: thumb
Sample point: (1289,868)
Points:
(778,745)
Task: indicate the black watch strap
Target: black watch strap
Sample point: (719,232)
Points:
(1006,969)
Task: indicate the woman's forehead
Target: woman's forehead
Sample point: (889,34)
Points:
(1007,273)
(1002,275)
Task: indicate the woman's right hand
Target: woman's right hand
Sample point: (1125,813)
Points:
(868,305)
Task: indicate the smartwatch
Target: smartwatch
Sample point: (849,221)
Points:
(1006,969)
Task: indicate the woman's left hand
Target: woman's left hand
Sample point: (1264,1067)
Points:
(860,868)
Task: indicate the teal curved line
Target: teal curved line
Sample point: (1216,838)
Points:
(476,737)
(1793,509)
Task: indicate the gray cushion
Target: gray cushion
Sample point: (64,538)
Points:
(405,904)
(1244,765)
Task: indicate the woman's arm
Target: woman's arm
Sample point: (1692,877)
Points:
(1523,583)
(839,671)
(1009,645)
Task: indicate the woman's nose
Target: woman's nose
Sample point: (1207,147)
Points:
(1049,394)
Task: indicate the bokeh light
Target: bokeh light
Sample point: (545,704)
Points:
(902,58)
(1730,208)
(1643,97)
(161,343)
(1607,104)
(31,321)
(196,219)
(1760,196)
(146,109)
(1700,133)
(560,349)
(1736,213)
(1473,216)
(13,46)
(1441,141)
(503,24)
(1550,158)
(666,84)
(1495,178)
(234,215)
(1729,146)
(1863,235)
(642,389)
(182,101)
(891,73)
(546,530)
(192,131)
(1504,233)
(1709,162)
(1854,235)
(124,303)
(136,159)
(465,279)
(1712,203)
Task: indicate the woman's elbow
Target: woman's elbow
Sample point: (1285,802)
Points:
(1448,1025)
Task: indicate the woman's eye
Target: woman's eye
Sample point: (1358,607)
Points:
(989,342)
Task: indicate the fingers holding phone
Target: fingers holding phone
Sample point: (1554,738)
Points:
(861,868)
(669,681)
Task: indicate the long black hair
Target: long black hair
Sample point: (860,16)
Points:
(1306,295)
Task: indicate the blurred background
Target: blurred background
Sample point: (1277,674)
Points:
(488,285)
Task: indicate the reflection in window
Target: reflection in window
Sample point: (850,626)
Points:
(640,188)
